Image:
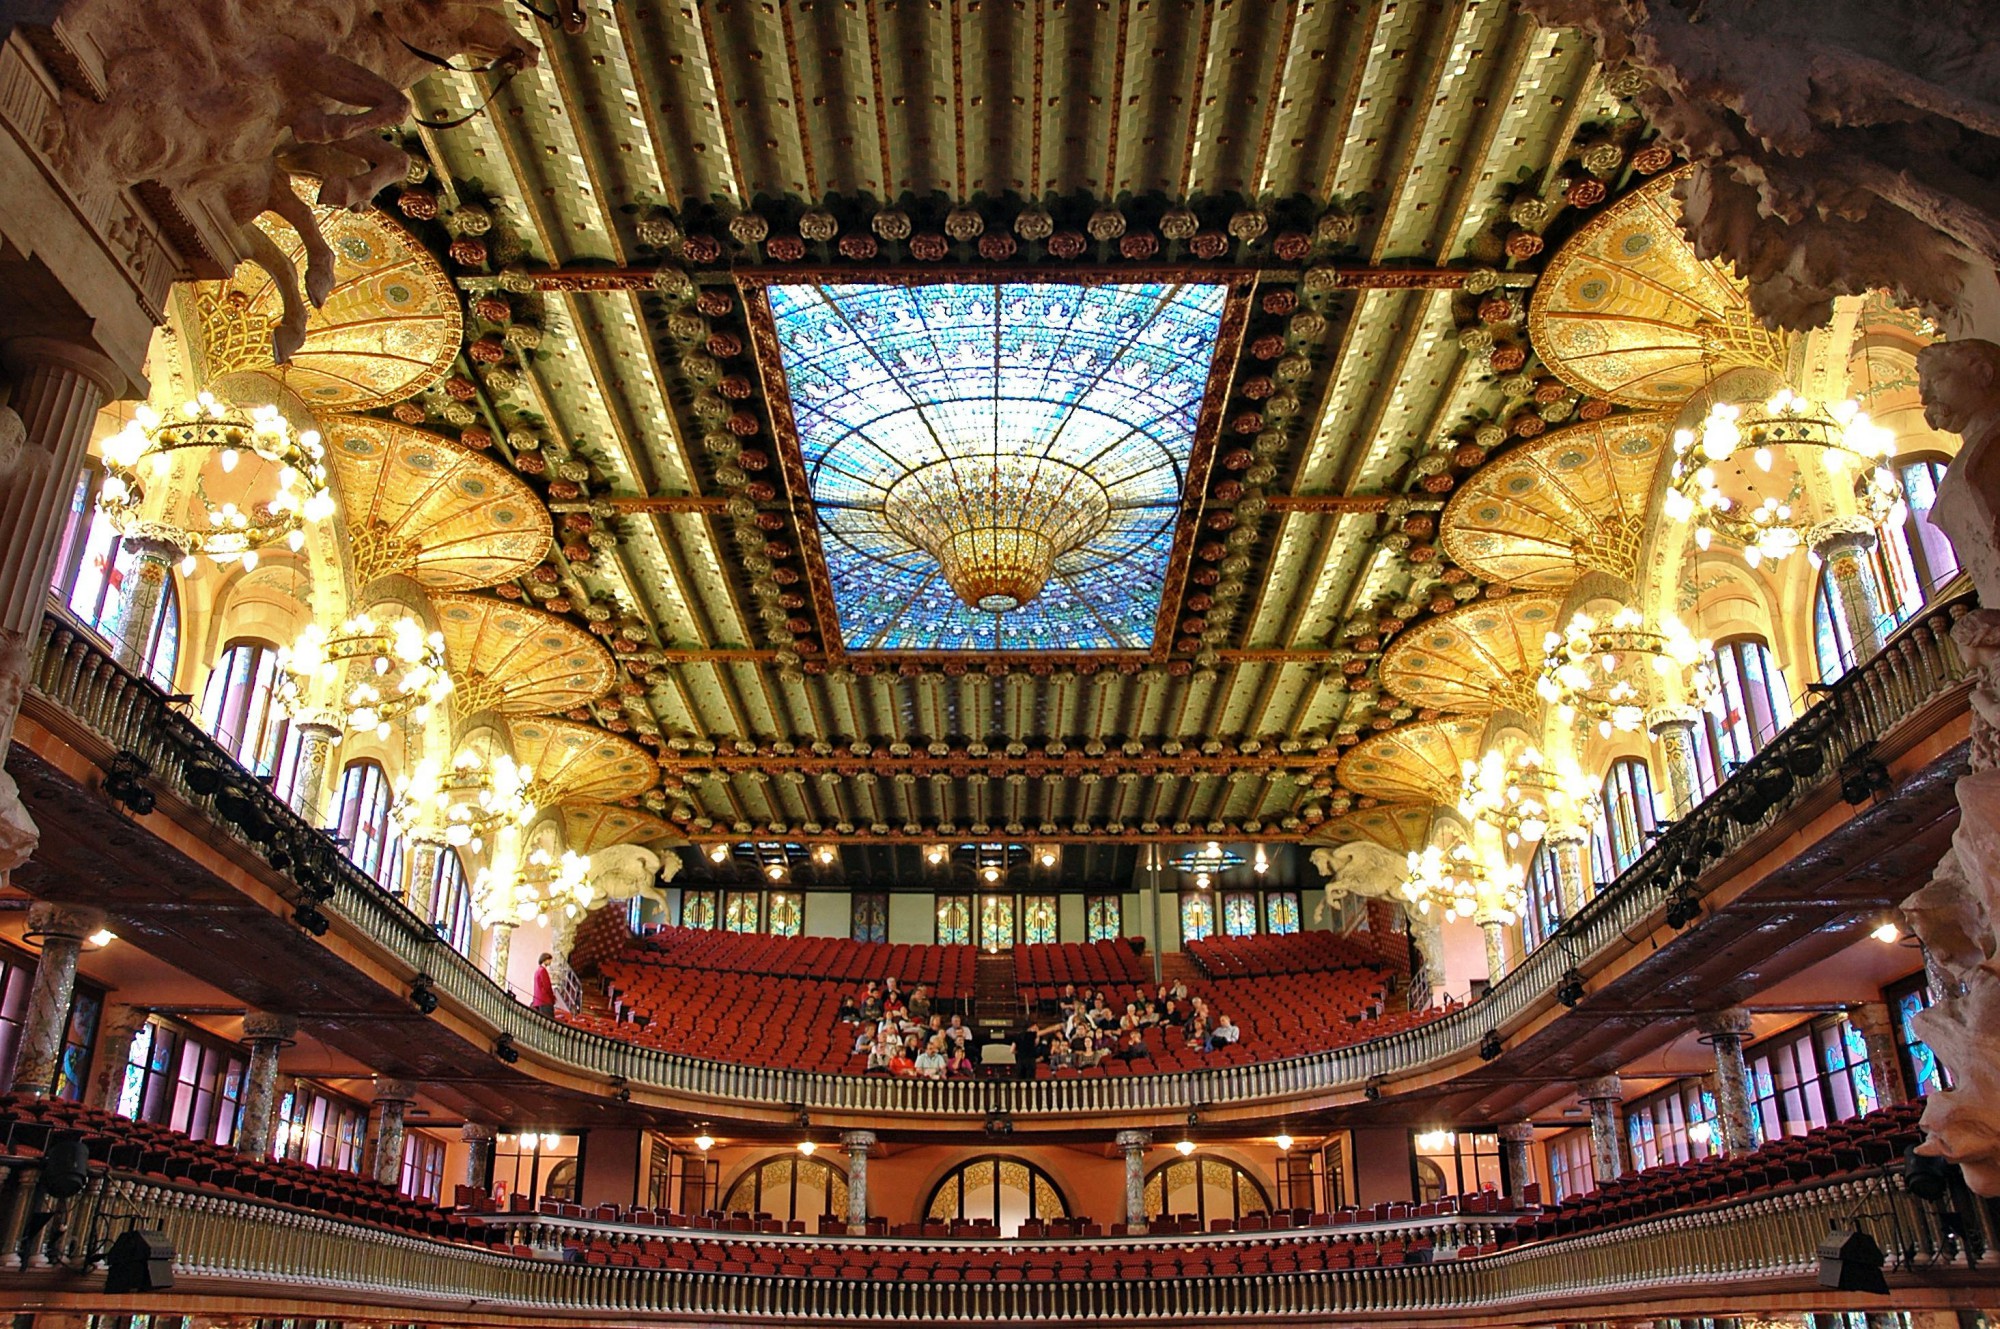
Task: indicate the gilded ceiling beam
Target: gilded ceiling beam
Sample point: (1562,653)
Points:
(1356,277)
(985,662)
(1035,765)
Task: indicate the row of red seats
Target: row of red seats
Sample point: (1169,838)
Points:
(750,1019)
(947,970)
(157,1153)
(1286,953)
(1041,971)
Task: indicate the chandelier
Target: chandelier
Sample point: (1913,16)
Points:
(1613,672)
(534,889)
(377,672)
(466,801)
(1762,517)
(1459,883)
(997,522)
(1205,863)
(147,446)
(1524,798)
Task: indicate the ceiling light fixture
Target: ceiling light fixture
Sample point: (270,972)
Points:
(704,1142)
(364,673)
(1185,1147)
(997,521)
(808,1148)
(1284,1143)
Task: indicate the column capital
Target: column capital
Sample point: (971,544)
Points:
(476,1132)
(270,1027)
(1840,534)
(18,354)
(1661,718)
(857,1143)
(395,1091)
(1602,1088)
(1732,1022)
(49,920)
(1131,1141)
(1517,1132)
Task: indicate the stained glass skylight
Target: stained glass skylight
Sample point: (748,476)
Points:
(995,466)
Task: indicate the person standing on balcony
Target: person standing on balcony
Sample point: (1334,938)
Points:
(544,1001)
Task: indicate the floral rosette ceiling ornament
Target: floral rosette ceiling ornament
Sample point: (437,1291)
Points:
(213,433)
(1612,673)
(1742,477)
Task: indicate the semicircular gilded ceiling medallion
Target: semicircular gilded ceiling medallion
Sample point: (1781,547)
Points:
(423,505)
(589,827)
(518,661)
(1625,310)
(1403,827)
(1416,763)
(1572,501)
(579,761)
(389,329)
(1474,660)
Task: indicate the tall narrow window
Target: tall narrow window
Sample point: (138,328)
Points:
(451,901)
(1103,918)
(240,711)
(1239,914)
(698,909)
(1197,916)
(362,821)
(996,922)
(1933,561)
(1038,920)
(954,920)
(1921,1068)
(1281,913)
(94,571)
(869,916)
(1544,903)
(741,910)
(1629,819)
(1833,644)
(1752,703)
(785,915)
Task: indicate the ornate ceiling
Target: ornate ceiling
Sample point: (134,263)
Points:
(1374,186)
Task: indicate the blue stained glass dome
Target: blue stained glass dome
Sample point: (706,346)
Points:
(1095,389)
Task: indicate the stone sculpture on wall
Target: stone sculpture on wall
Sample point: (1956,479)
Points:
(1372,872)
(223,103)
(1842,146)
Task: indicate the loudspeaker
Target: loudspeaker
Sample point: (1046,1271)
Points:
(1850,1261)
(140,1261)
(65,1165)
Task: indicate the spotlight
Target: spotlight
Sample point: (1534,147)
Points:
(1490,1046)
(1861,781)
(1804,760)
(504,1049)
(123,782)
(808,1148)
(65,1165)
(1850,1261)
(1927,1178)
(421,995)
(311,919)
(1887,932)
(1371,1091)
(142,1260)
(1571,991)
(1681,911)
(203,776)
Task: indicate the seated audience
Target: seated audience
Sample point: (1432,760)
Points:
(957,1065)
(930,1063)
(920,1003)
(1223,1034)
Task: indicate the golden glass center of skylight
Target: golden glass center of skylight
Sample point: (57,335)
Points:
(997,466)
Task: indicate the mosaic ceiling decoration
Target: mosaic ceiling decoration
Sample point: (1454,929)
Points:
(1417,763)
(518,661)
(1626,311)
(1403,827)
(389,329)
(423,505)
(589,827)
(997,467)
(1570,502)
(576,761)
(1474,660)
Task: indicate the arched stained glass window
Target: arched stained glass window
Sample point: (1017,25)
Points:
(1931,559)
(996,922)
(1752,702)
(741,911)
(1038,920)
(1543,914)
(1103,918)
(789,1187)
(1239,914)
(1629,817)
(1281,912)
(1001,1190)
(1197,916)
(361,819)
(954,920)
(239,710)
(785,916)
(451,901)
(698,909)
(1204,1188)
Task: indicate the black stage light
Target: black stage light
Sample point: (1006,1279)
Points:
(124,782)
(1571,991)
(1804,760)
(140,1261)
(1850,1261)
(65,1165)
(311,919)
(503,1048)
(1372,1092)
(1490,1046)
(1927,1178)
(1681,911)
(202,775)
(421,995)
(1861,782)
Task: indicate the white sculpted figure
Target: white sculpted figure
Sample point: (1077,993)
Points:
(1372,872)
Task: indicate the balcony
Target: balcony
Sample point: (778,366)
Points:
(1914,690)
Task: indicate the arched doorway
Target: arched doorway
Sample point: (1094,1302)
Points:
(1204,1189)
(1004,1191)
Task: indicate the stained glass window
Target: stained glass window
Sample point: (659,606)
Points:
(785,918)
(996,922)
(741,911)
(1002,1191)
(1197,917)
(1038,920)
(869,914)
(1921,1066)
(698,910)
(1071,397)
(1239,914)
(954,920)
(1281,912)
(1102,918)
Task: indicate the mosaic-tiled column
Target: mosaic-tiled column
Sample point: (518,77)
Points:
(423,875)
(1516,1156)
(392,1099)
(1493,928)
(1566,847)
(858,1144)
(1725,1031)
(1877,1024)
(1672,728)
(139,600)
(267,1033)
(1602,1097)
(61,929)
(478,1137)
(316,743)
(1135,1144)
(1842,544)
(119,1025)
(503,949)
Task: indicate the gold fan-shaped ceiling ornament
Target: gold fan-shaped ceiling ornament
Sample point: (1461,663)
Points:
(423,505)
(1474,660)
(589,827)
(1416,763)
(1402,827)
(1627,312)
(389,329)
(581,762)
(519,661)
(1573,501)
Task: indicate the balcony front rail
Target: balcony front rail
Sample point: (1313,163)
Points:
(225,1245)
(76,676)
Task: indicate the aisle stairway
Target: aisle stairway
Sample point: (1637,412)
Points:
(997,1001)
